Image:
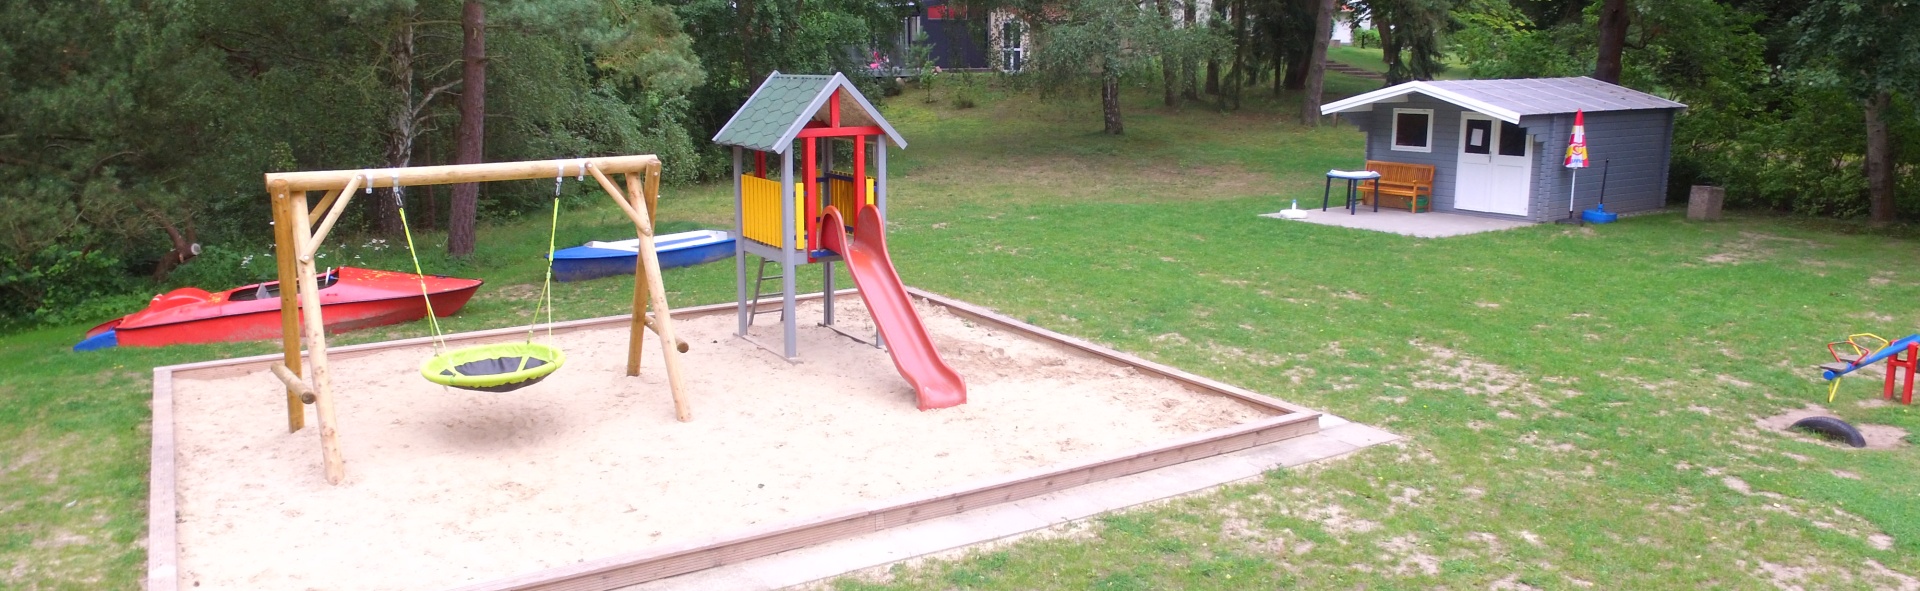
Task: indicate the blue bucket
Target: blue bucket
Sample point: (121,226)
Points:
(1599,215)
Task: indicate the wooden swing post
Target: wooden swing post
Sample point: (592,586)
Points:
(636,338)
(283,225)
(316,332)
(649,275)
(296,247)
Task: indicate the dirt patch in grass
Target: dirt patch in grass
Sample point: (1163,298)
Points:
(1877,436)
(518,292)
(1449,369)
(1753,246)
(1408,558)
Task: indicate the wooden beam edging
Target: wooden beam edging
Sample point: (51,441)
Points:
(624,570)
(163,532)
(655,563)
(974,312)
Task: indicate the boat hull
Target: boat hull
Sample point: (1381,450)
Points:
(360,298)
(607,259)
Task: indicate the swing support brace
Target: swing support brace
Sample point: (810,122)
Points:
(295,247)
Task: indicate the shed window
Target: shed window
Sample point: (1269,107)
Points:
(1413,130)
(1513,139)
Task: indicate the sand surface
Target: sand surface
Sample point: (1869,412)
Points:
(449,487)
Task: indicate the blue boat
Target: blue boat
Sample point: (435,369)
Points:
(598,259)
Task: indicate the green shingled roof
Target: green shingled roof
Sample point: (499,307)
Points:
(782,106)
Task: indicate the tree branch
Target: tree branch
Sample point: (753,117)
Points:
(428,98)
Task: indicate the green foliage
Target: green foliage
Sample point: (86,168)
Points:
(740,42)
(1091,43)
(58,284)
(1773,91)
(1365,38)
(122,118)
(1497,40)
(1869,45)
(1416,35)
(222,266)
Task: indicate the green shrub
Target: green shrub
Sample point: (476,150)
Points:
(1365,38)
(220,267)
(59,284)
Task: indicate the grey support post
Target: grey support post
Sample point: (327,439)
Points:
(826,267)
(745,308)
(790,332)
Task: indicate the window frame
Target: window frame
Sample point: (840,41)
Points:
(1393,138)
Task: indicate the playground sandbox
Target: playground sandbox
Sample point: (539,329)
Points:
(586,481)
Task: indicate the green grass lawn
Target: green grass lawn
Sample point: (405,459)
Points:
(1579,404)
(1368,58)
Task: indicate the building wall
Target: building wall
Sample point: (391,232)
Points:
(1632,150)
(1637,142)
(1445,142)
(996,39)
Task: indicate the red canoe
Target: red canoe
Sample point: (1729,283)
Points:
(351,298)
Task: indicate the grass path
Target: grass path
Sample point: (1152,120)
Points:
(1580,403)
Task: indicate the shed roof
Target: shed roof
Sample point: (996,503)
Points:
(1510,99)
(783,105)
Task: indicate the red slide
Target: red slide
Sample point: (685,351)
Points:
(866,255)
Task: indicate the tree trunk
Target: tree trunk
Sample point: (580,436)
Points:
(1110,98)
(1879,160)
(1389,49)
(1213,63)
(1279,67)
(1317,63)
(1188,67)
(402,127)
(746,43)
(1613,39)
(1169,76)
(471,136)
(1243,53)
(1297,69)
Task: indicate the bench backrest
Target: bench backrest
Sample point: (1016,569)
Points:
(1402,172)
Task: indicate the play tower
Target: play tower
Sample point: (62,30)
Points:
(796,204)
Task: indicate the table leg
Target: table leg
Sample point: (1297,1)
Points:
(1325,194)
(1376,194)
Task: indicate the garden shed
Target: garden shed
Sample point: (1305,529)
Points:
(1497,146)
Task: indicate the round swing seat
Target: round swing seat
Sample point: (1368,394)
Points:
(500,367)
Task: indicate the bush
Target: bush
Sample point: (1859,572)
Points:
(220,267)
(1364,38)
(59,285)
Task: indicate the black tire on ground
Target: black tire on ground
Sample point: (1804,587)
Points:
(1832,428)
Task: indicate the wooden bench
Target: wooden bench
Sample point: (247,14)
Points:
(1401,185)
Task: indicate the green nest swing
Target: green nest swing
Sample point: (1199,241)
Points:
(498,367)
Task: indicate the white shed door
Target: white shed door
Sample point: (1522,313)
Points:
(1495,163)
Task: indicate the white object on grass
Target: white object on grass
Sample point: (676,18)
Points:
(1293,213)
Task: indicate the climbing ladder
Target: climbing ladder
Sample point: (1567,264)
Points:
(759,290)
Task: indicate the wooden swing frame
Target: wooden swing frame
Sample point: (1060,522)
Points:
(295,250)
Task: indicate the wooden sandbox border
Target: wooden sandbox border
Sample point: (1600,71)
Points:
(676,559)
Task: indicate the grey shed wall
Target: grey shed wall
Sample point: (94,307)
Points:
(1639,144)
(1636,141)
(1378,125)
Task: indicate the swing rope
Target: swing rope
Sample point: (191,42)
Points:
(553,230)
(481,367)
(400,205)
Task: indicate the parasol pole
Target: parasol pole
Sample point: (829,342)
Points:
(1576,159)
